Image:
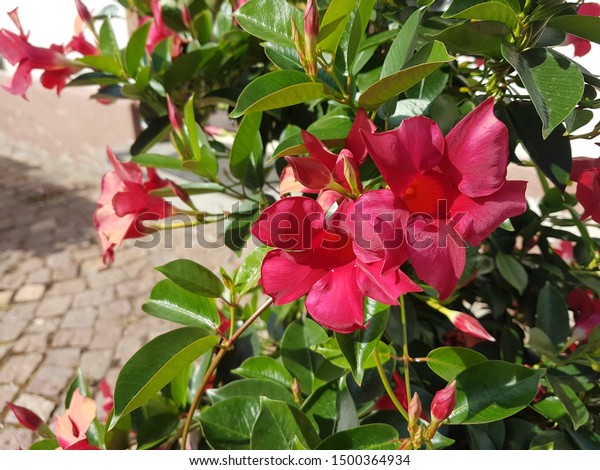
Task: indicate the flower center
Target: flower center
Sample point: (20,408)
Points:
(427,193)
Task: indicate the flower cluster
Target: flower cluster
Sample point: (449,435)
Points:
(439,195)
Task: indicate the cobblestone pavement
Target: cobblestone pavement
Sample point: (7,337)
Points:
(60,309)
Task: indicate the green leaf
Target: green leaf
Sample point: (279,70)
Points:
(190,188)
(552,408)
(269,20)
(187,66)
(493,390)
(403,46)
(576,410)
(553,154)
(45,444)
(171,302)
(428,59)
(354,31)
(309,367)
(252,388)
(586,27)
(475,38)
(333,23)
(277,90)
(585,439)
(247,145)
(248,274)
(278,425)
(264,367)
(552,313)
(205,161)
(136,49)
(490,11)
(103,63)
(227,425)
(155,160)
(285,58)
(193,277)
(448,362)
(156,131)
(542,343)
(155,365)
(554,83)
(94,78)
(117,438)
(155,430)
(358,346)
(512,271)
(107,41)
(368,437)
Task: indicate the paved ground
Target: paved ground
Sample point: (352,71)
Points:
(59,307)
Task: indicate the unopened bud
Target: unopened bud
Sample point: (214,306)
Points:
(350,171)
(186,17)
(311,31)
(174,116)
(83,12)
(297,391)
(462,321)
(443,403)
(414,413)
(298,42)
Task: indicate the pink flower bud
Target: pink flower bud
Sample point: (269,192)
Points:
(470,325)
(414,413)
(311,30)
(443,403)
(26,417)
(298,42)
(83,11)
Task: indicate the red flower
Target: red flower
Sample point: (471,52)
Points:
(159,31)
(125,203)
(315,256)
(323,170)
(386,403)
(57,67)
(443,192)
(443,403)
(586,171)
(583,46)
(71,427)
(587,313)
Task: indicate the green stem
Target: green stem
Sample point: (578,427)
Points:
(405,355)
(226,345)
(388,387)
(543,180)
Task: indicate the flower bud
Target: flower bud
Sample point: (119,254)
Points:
(83,12)
(311,30)
(350,170)
(462,321)
(414,413)
(174,116)
(299,43)
(186,16)
(297,391)
(443,403)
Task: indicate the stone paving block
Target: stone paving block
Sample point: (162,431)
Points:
(43,276)
(5,298)
(134,287)
(4,348)
(136,268)
(18,368)
(59,260)
(43,325)
(43,225)
(70,286)
(92,265)
(30,293)
(11,329)
(15,438)
(72,337)
(7,393)
(94,297)
(95,363)
(51,380)
(65,272)
(12,280)
(39,405)
(24,311)
(86,252)
(119,308)
(108,277)
(33,342)
(52,306)
(63,356)
(30,265)
(106,334)
(79,318)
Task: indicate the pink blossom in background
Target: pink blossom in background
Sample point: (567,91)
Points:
(586,171)
(587,313)
(583,46)
(159,31)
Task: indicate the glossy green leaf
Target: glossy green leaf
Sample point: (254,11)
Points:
(493,390)
(512,271)
(247,145)
(102,63)
(552,408)
(252,388)
(155,430)
(475,38)
(227,425)
(403,46)
(193,277)
(585,439)
(107,42)
(277,90)
(554,83)
(586,27)
(448,362)
(155,365)
(576,410)
(190,188)
(269,20)
(94,78)
(205,161)
(428,59)
(285,58)
(553,154)
(333,23)
(187,66)
(136,49)
(552,313)
(117,438)
(278,425)
(45,444)
(155,160)
(156,131)
(368,437)
(309,367)
(350,41)
(358,346)
(173,303)
(542,343)
(264,367)
(248,274)
(490,11)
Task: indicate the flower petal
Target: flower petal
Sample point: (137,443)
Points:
(292,223)
(310,172)
(129,172)
(477,218)
(386,288)
(289,184)
(588,194)
(336,302)
(478,152)
(354,142)
(317,149)
(581,164)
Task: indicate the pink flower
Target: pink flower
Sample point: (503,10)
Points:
(125,203)
(566,251)
(586,171)
(443,403)
(109,400)
(315,256)
(583,46)
(159,31)
(324,171)
(311,30)
(444,191)
(587,313)
(57,67)
(71,427)
(83,11)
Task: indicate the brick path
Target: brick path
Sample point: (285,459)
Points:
(59,308)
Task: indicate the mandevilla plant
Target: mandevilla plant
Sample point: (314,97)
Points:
(405,293)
